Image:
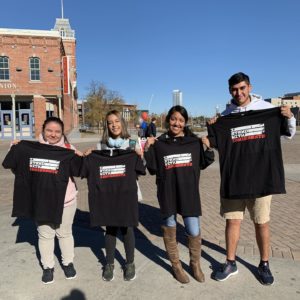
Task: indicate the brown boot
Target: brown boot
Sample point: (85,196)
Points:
(169,235)
(194,244)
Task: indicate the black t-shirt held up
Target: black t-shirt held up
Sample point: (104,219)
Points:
(250,154)
(177,162)
(111,176)
(41,177)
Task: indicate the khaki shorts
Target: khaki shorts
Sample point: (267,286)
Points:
(258,208)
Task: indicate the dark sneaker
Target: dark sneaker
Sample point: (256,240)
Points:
(108,272)
(69,271)
(265,275)
(129,272)
(227,270)
(48,276)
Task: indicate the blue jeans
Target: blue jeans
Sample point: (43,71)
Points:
(192,224)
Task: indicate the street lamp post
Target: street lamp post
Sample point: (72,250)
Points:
(13,97)
(83,115)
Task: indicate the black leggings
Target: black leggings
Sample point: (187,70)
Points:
(111,239)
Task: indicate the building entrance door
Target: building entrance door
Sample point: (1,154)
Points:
(24,120)
(6,124)
(23,124)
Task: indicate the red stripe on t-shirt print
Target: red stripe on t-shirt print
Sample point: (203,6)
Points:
(40,170)
(250,137)
(178,165)
(112,175)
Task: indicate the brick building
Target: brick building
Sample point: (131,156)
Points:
(37,79)
(290,99)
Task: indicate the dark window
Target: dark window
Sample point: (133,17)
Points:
(49,113)
(62,32)
(6,105)
(4,68)
(24,105)
(35,71)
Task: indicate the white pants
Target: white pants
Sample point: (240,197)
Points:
(47,233)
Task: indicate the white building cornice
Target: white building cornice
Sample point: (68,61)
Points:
(29,32)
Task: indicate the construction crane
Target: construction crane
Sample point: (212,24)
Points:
(150,102)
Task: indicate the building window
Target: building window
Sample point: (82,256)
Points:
(4,68)
(35,72)
(62,32)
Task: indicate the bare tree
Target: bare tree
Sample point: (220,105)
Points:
(99,101)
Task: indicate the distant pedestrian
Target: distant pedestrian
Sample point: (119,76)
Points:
(151,128)
(143,126)
(140,131)
(247,137)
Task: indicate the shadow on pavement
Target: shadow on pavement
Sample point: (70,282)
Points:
(75,295)
(27,233)
(149,217)
(96,241)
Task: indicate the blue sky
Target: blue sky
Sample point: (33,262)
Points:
(141,48)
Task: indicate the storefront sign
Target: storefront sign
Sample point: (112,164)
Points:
(7,85)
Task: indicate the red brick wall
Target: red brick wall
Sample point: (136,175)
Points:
(39,107)
(67,113)
(19,49)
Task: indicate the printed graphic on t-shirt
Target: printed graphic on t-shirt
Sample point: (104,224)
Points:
(44,165)
(112,171)
(178,160)
(248,132)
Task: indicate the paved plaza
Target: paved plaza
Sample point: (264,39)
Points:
(21,273)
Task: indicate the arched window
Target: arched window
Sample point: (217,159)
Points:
(34,66)
(4,68)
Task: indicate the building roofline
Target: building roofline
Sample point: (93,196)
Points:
(292,94)
(30,32)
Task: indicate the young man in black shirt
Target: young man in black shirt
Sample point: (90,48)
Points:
(233,208)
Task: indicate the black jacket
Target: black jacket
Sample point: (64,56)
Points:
(113,199)
(41,177)
(250,153)
(177,162)
(151,130)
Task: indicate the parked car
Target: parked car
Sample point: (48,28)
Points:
(83,128)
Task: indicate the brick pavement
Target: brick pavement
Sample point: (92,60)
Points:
(285,225)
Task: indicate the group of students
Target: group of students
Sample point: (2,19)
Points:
(112,172)
(176,158)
